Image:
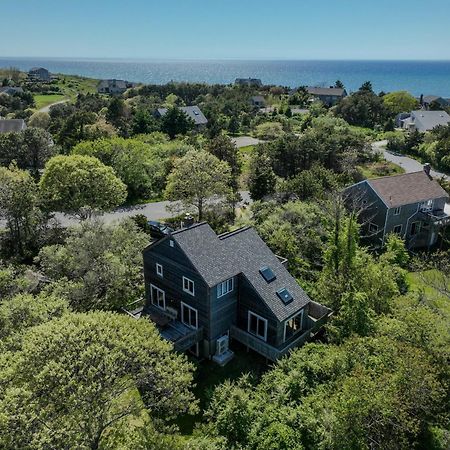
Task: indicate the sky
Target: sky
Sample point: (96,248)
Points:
(222,29)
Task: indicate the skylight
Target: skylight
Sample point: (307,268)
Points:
(267,274)
(285,296)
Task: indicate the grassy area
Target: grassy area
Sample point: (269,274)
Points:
(245,154)
(380,169)
(209,375)
(423,282)
(72,85)
(42,100)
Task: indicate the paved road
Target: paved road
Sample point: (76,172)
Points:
(153,211)
(244,141)
(409,164)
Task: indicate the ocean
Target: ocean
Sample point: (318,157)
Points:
(417,77)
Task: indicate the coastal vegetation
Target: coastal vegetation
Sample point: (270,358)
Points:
(77,372)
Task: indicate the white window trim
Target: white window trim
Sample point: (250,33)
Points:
(265,325)
(187,290)
(151,296)
(192,309)
(226,285)
(401,229)
(377,228)
(290,318)
(159,270)
(397,211)
(171,243)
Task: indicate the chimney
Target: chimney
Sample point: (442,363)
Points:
(188,221)
(427,169)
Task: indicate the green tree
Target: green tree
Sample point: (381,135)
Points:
(98,267)
(400,101)
(74,378)
(176,122)
(39,120)
(269,130)
(19,207)
(197,177)
(261,178)
(78,184)
(136,163)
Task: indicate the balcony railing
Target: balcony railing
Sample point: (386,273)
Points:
(317,317)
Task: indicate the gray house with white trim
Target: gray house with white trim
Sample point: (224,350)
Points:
(424,120)
(193,112)
(204,289)
(413,205)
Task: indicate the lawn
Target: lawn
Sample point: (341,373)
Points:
(72,85)
(245,153)
(42,100)
(423,282)
(380,169)
(209,375)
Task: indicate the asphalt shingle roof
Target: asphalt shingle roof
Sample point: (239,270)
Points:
(218,258)
(12,125)
(194,112)
(337,92)
(407,188)
(427,120)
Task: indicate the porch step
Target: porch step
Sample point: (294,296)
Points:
(224,358)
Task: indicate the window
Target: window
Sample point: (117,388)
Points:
(397,211)
(158,297)
(171,243)
(373,228)
(257,326)
(293,325)
(285,296)
(415,228)
(267,274)
(189,315)
(225,287)
(427,205)
(188,286)
(159,269)
(398,229)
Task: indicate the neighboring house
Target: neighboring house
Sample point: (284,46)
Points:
(113,87)
(39,74)
(328,96)
(11,90)
(253,82)
(258,101)
(194,112)
(12,125)
(413,205)
(427,100)
(203,289)
(424,120)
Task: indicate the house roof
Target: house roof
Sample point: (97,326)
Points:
(11,125)
(220,257)
(194,112)
(37,69)
(433,98)
(335,92)
(258,98)
(427,120)
(121,84)
(10,90)
(407,188)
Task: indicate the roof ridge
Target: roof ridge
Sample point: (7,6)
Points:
(182,230)
(234,232)
(395,176)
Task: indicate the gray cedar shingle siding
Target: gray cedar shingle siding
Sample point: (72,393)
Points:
(218,258)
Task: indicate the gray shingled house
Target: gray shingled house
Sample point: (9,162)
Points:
(12,125)
(328,96)
(39,74)
(203,289)
(427,100)
(113,87)
(194,112)
(424,120)
(412,205)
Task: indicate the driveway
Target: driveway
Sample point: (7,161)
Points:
(245,141)
(47,108)
(407,163)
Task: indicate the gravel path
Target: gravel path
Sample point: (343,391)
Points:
(245,141)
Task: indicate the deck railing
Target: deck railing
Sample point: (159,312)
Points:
(318,316)
(187,341)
